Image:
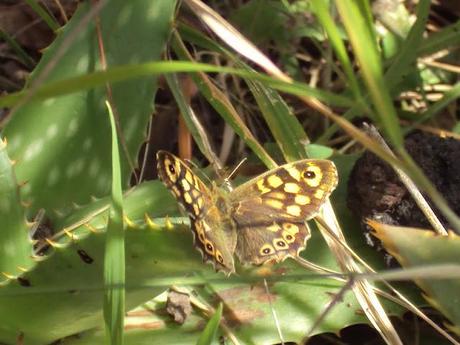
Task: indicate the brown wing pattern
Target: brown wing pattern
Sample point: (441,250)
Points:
(213,236)
(275,242)
(187,188)
(294,191)
(268,206)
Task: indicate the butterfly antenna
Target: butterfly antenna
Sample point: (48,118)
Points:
(227,184)
(275,317)
(236,168)
(227,179)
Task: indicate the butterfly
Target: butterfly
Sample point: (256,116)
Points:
(261,220)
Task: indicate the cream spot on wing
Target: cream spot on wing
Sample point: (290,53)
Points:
(197,182)
(293,210)
(276,204)
(195,194)
(317,175)
(302,199)
(319,193)
(200,202)
(87,144)
(289,238)
(73,127)
(209,247)
(206,227)
(189,177)
(188,199)
(261,187)
(169,165)
(175,190)
(274,227)
(293,188)
(277,195)
(219,257)
(294,172)
(280,244)
(185,185)
(291,228)
(53,176)
(274,181)
(266,249)
(94,167)
(199,226)
(196,209)
(200,231)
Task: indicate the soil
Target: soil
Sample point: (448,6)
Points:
(376,192)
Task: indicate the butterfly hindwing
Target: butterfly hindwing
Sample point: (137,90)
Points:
(273,241)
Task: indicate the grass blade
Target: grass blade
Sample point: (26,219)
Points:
(210,331)
(114,259)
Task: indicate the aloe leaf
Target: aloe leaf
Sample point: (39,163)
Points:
(68,281)
(61,143)
(422,248)
(15,245)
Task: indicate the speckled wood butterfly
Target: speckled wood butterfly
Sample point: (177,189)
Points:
(261,220)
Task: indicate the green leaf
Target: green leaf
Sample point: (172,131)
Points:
(61,144)
(210,331)
(15,245)
(287,130)
(218,100)
(361,35)
(319,151)
(114,255)
(421,248)
(47,18)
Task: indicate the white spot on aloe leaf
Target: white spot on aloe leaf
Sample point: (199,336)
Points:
(94,168)
(75,168)
(33,150)
(73,127)
(87,144)
(53,176)
(51,131)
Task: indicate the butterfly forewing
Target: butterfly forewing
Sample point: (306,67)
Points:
(214,236)
(292,191)
(187,188)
